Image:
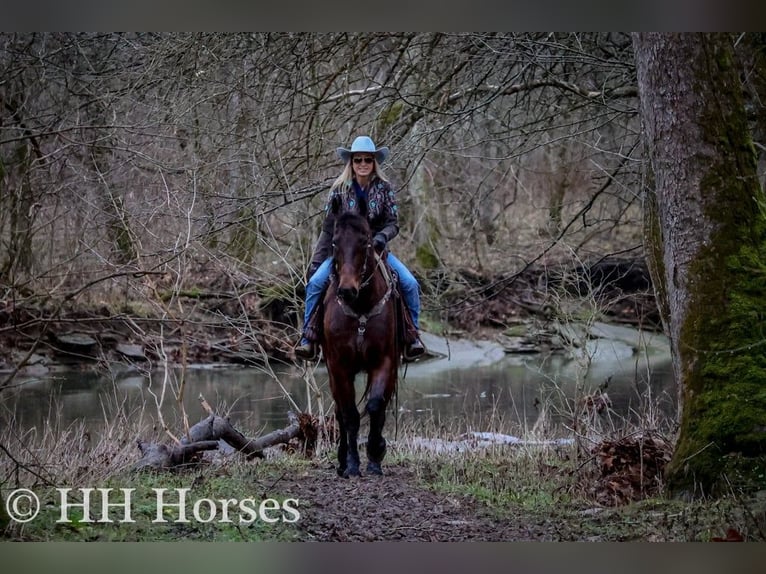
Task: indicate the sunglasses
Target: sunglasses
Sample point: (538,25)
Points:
(363,159)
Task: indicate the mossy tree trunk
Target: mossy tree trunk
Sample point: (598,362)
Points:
(711,213)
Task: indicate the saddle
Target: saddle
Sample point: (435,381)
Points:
(406,333)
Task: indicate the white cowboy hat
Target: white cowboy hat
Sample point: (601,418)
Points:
(363,144)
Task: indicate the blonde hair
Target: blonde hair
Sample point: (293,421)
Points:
(343,181)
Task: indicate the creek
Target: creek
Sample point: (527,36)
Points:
(467,386)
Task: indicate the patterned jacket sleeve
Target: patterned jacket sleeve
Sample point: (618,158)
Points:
(387,221)
(323,249)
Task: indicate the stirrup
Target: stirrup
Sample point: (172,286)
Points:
(414,350)
(307,351)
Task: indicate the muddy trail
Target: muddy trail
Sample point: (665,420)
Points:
(393,507)
(405,505)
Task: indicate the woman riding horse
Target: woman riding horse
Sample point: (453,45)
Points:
(359,336)
(361,179)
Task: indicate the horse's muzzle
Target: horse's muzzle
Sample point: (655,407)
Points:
(348,294)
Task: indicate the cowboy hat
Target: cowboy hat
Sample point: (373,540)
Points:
(363,144)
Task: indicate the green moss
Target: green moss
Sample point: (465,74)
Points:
(518,330)
(244,239)
(432,325)
(723,349)
(426,257)
(722,345)
(123,240)
(190,293)
(390,116)
(653,248)
(724,369)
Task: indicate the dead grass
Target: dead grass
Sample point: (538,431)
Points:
(544,487)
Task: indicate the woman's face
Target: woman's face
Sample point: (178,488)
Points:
(363,164)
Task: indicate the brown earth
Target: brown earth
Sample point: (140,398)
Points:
(405,505)
(399,506)
(393,507)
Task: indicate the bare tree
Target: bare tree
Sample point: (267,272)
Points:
(140,166)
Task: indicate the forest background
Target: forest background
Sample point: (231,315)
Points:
(142,171)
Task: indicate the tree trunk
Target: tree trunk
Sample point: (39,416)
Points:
(206,434)
(712,227)
(22,204)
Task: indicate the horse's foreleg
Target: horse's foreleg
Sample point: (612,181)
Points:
(343,443)
(376,444)
(351,421)
(381,389)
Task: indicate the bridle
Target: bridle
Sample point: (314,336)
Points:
(366,282)
(377,309)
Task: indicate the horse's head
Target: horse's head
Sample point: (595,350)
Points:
(352,248)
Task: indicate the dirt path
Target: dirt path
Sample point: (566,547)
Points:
(392,507)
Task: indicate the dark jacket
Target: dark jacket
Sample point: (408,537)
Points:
(382,214)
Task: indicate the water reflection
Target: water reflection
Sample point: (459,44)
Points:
(507,391)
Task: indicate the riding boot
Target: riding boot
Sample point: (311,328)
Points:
(413,346)
(306,350)
(414,350)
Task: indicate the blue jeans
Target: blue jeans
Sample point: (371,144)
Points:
(407,282)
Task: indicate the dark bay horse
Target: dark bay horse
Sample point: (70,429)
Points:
(359,336)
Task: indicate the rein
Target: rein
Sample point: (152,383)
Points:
(366,282)
(377,309)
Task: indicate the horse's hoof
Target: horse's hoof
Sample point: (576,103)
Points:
(374,468)
(351,472)
(341,471)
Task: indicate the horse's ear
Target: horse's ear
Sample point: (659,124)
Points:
(363,207)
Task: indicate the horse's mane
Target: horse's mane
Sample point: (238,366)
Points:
(353,221)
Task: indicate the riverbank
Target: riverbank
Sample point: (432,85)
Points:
(255,325)
(506,493)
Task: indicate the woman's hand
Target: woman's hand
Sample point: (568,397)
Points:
(379,242)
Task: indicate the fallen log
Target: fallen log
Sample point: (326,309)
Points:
(209,434)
